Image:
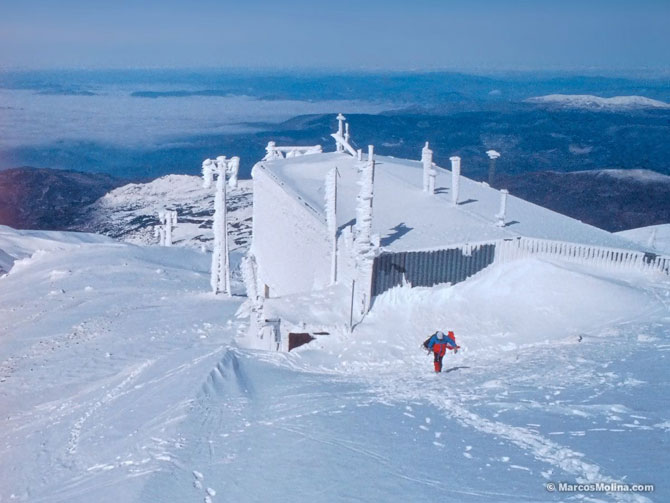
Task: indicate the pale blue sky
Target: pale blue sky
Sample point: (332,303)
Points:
(344,34)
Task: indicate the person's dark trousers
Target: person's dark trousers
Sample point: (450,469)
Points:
(438,362)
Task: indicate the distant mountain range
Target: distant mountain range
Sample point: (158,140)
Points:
(142,124)
(596,102)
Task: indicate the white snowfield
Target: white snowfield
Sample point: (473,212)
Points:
(597,102)
(17,245)
(121,379)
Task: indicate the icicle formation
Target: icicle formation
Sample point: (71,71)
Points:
(331,219)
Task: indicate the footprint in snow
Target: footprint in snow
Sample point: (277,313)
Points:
(197,483)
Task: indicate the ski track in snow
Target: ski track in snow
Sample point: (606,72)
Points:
(113,394)
(410,387)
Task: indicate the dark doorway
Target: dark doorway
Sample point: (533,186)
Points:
(296,340)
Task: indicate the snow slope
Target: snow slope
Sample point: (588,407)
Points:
(18,245)
(597,102)
(122,380)
(99,358)
(653,236)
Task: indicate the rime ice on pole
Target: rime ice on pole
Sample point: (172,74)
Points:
(221,168)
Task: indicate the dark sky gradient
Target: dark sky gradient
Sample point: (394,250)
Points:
(344,34)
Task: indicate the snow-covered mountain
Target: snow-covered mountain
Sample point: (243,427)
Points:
(130,213)
(123,379)
(597,102)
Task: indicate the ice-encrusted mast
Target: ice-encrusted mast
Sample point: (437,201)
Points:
(221,168)
(365,244)
(168,220)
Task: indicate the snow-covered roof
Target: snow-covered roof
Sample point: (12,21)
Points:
(406,218)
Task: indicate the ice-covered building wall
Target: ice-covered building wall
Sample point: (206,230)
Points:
(290,241)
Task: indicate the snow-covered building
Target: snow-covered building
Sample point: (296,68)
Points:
(377,222)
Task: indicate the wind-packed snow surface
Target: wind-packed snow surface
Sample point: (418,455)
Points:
(122,379)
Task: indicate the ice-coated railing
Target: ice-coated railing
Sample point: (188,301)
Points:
(512,249)
(275,152)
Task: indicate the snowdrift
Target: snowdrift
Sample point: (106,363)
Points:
(21,244)
(531,301)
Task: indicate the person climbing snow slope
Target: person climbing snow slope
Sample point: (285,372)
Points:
(438,343)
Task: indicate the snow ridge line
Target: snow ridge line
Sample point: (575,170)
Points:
(540,447)
(227,375)
(75,432)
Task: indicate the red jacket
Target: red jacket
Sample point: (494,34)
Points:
(440,346)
